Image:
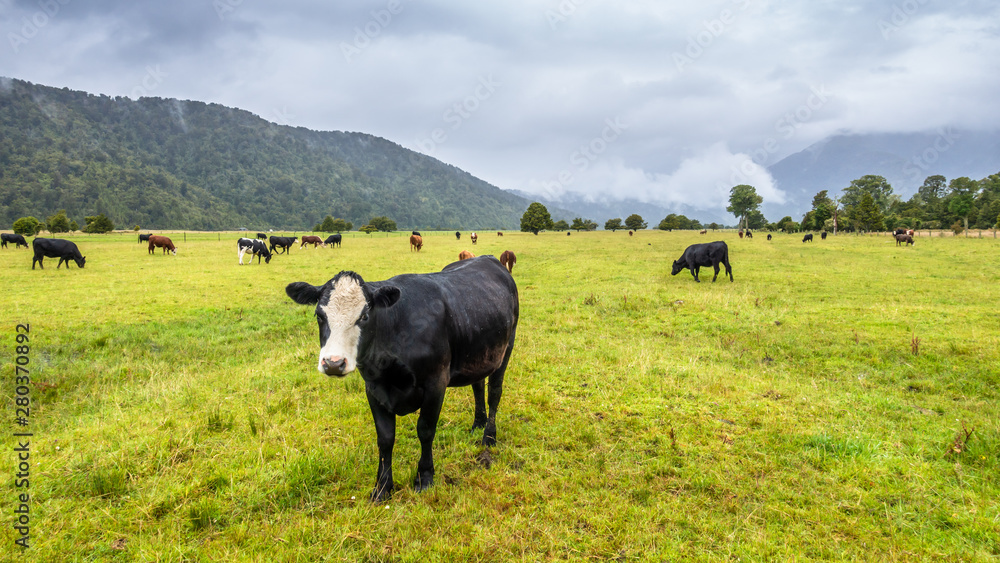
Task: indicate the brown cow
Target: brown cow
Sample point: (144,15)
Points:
(474,237)
(508,259)
(900,239)
(703,232)
(465,255)
(313,240)
(161,242)
(416,242)
(630,233)
(499,234)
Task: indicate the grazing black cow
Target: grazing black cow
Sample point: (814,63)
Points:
(59,248)
(17,239)
(333,239)
(823,235)
(284,243)
(768,236)
(261,236)
(458,235)
(416,233)
(707,254)
(411,337)
(808,238)
(144,238)
(255,248)
(749,233)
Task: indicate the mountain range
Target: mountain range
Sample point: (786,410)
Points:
(904,159)
(167,163)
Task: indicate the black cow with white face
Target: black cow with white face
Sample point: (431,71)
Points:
(706,254)
(255,248)
(17,239)
(413,336)
(333,239)
(59,248)
(284,243)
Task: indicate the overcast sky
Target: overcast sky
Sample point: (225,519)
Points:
(666,101)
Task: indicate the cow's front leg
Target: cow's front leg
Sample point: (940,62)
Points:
(479,393)
(426,428)
(385,429)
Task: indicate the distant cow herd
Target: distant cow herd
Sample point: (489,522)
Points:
(264,248)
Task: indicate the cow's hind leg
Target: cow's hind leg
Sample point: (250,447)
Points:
(716,266)
(479,393)
(495,392)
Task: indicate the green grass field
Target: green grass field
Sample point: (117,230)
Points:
(814,409)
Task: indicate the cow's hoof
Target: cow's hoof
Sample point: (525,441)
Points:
(478,423)
(381,494)
(489,440)
(423,481)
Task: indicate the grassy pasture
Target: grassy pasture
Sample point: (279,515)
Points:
(813,409)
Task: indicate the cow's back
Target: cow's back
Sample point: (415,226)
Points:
(465,315)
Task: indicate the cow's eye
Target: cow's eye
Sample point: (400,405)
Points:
(364,317)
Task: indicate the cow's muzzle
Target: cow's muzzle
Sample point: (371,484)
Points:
(335,366)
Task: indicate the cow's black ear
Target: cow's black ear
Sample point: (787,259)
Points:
(385,296)
(304,293)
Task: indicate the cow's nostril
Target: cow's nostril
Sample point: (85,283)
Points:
(335,365)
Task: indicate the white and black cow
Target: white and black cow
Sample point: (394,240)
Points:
(411,337)
(59,248)
(255,247)
(17,239)
(707,254)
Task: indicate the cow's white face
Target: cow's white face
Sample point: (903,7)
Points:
(339,328)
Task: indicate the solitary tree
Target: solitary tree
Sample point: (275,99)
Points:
(669,223)
(635,222)
(58,223)
(98,224)
(613,224)
(536,218)
(822,210)
(28,226)
(383,224)
(876,186)
(743,199)
(326,226)
(866,214)
(963,194)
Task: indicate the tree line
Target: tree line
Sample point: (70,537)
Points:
(868,204)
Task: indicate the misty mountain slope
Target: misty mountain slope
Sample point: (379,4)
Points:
(165,163)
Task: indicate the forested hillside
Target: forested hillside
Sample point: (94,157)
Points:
(165,163)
